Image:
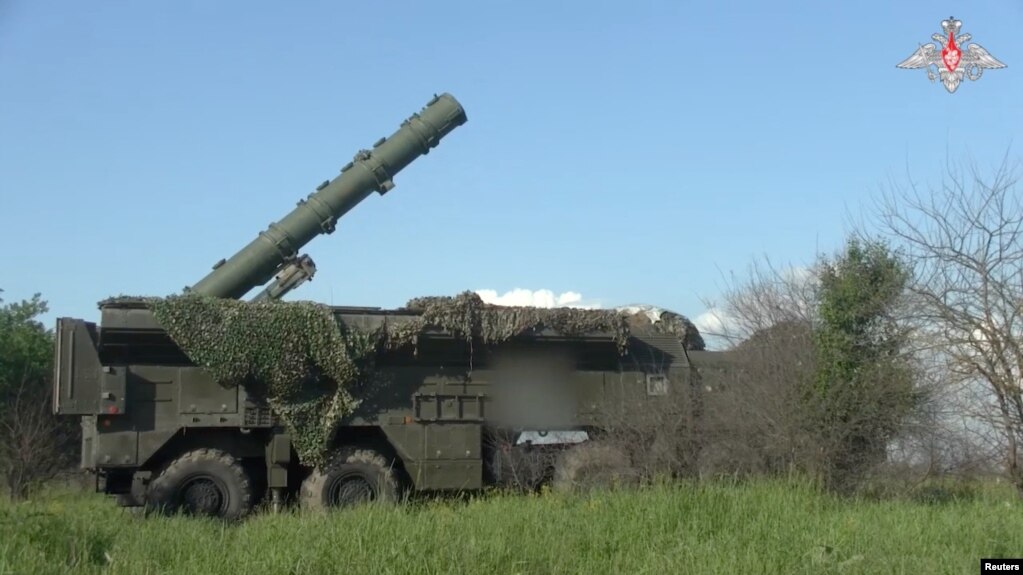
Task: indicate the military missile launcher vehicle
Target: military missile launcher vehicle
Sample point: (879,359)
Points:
(206,404)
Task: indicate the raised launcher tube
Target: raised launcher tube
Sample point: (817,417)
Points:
(371,170)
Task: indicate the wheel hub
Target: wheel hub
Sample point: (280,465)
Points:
(203,496)
(350,490)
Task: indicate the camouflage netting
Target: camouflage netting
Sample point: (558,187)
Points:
(296,356)
(308,365)
(467,316)
(669,322)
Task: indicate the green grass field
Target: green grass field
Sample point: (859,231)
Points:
(763,527)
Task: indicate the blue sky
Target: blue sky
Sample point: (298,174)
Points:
(629,152)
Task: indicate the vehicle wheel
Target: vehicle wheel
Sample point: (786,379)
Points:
(593,466)
(348,478)
(204,482)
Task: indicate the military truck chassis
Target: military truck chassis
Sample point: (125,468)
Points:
(437,423)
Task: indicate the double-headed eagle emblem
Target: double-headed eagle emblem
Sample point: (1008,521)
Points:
(946,59)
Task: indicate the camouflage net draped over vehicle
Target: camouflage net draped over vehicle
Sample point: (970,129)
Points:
(467,316)
(308,365)
(296,356)
(670,322)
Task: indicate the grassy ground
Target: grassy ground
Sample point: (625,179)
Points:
(765,527)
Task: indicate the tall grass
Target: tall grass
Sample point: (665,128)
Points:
(757,527)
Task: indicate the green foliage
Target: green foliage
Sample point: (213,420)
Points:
(856,296)
(863,386)
(35,445)
(26,346)
(751,527)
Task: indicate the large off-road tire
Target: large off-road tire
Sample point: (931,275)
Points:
(593,466)
(204,482)
(349,477)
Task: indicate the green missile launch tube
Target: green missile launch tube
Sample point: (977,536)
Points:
(370,171)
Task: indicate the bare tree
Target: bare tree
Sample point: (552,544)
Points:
(34,445)
(767,296)
(965,241)
(750,393)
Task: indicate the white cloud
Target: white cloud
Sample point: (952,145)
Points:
(712,321)
(536,298)
(714,325)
